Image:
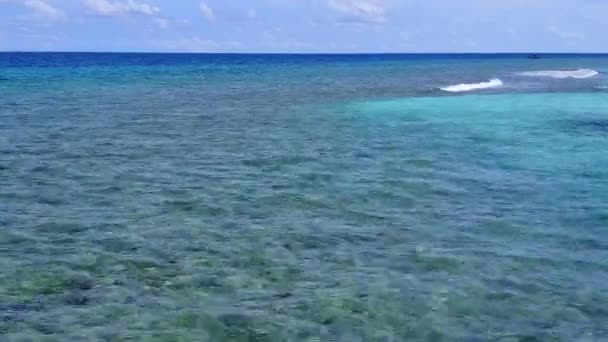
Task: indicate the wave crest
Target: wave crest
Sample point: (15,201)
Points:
(560,74)
(458,88)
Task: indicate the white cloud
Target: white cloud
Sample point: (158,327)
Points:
(251,13)
(367,11)
(45,10)
(198,44)
(207,11)
(113,8)
(168,23)
(162,23)
(272,41)
(564,34)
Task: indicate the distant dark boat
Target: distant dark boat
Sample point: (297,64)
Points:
(534,57)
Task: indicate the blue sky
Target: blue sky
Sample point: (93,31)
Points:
(305,25)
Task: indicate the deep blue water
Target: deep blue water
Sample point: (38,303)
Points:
(188,197)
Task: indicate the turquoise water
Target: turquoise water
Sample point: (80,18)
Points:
(302,198)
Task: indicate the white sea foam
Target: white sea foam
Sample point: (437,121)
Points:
(458,88)
(580,73)
(602,87)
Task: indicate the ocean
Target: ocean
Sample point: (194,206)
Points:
(227,197)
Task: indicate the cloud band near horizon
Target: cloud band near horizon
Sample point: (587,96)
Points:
(298,26)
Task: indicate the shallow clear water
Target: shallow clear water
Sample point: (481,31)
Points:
(302,198)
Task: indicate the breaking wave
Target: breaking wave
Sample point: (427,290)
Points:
(458,88)
(560,74)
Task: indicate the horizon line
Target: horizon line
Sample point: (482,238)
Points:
(307,53)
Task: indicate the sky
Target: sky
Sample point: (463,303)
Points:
(305,26)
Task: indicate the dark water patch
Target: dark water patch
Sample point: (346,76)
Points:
(516,287)
(284,295)
(50,200)
(207,283)
(52,282)
(294,200)
(276,163)
(95,262)
(243,327)
(180,205)
(421,262)
(354,238)
(297,241)
(15,238)
(61,228)
(194,206)
(584,244)
(595,175)
(76,299)
(501,229)
(46,169)
(109,189)
(389,197)
(362,155)
(13,105)
(364,216)
(236,320)
(21,308)
(433,263)
(318,177)
(118,245)
(585,126)
(147,273)
(81,282)
(45,328)
(592,222)
(421,163)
